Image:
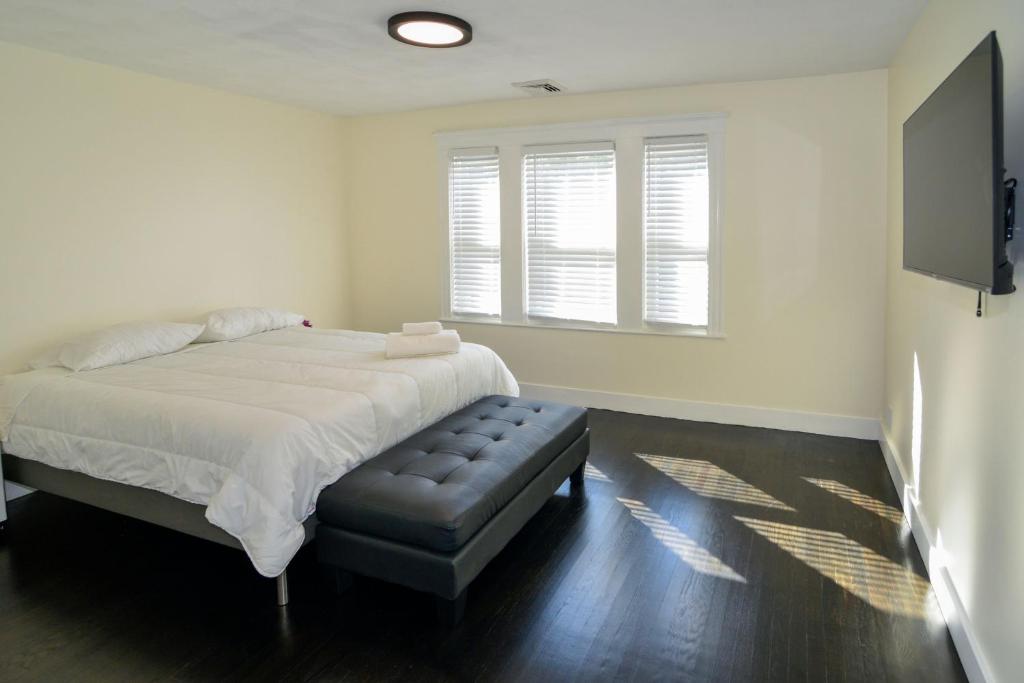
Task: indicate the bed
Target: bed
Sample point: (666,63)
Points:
(232,441)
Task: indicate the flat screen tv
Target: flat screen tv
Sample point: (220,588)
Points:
(957,209)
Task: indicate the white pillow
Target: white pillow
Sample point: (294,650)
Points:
(235,323)
(124,343)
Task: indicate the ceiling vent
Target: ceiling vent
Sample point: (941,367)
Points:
(544,86)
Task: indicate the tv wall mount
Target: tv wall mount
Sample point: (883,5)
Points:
(1010,194)
(1009,219)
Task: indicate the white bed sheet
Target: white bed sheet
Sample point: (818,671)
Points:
(253,429)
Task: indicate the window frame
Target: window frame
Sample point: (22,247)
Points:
(628,137)
(651,324)
(450,233)
(541,150)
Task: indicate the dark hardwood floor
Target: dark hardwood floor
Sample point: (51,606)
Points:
(694,552)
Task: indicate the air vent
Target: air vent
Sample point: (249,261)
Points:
(544,86)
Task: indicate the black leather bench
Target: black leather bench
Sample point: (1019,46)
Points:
(432,511)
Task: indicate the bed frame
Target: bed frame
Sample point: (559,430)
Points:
(132,501)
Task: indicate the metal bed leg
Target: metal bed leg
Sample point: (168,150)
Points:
(282,588)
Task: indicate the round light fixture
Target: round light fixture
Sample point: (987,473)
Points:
(429,29)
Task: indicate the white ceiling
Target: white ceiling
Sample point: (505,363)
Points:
(336,56)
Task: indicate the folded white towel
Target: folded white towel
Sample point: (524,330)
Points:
(421,328)
(399,345)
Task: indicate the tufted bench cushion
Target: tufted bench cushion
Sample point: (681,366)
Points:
(437,488)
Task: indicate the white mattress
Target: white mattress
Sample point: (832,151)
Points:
(253,429)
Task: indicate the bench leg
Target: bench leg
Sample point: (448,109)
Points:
(450,612)
(576,478)
(338,579)
(342,581)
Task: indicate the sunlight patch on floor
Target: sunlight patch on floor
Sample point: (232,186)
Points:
(591,472)
(681,545)
(711,481)
(877,580)
(863,500)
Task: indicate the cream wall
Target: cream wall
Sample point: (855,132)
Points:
(125,196)
(967,463)
(804,231)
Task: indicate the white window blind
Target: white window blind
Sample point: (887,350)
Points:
(474,220)
(570,223)
(676,230)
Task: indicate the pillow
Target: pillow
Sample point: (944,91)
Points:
(124,343)
(235,323)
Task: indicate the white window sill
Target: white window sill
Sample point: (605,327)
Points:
(583,327)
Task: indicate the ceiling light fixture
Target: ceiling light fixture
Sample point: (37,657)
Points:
(429,29)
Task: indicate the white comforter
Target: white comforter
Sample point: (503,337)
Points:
(253,429)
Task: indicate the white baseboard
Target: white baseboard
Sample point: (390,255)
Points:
(723,413)
(952,606)
(12,490)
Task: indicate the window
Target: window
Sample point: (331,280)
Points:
(676,230)
(569,196)
(474,232)
(609,225)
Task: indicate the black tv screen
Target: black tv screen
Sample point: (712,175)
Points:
(953,204)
